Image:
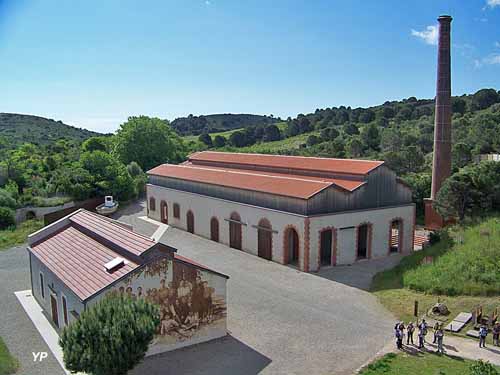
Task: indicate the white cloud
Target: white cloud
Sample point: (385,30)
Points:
(493,59)
(497,44)
(429,35)
(208,2)
(493,3)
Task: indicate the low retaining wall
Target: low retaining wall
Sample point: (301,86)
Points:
(89,204)
(22,214)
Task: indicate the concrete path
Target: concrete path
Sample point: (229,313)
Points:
(282,321)
(468,348)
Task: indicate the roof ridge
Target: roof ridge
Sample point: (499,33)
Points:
(283,156)
(252,174)
(113,222)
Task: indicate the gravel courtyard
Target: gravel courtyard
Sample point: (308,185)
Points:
(281,321)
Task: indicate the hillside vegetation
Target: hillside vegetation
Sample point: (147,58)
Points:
(16,129)
(195,125)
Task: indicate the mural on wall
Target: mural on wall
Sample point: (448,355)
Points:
(192,301)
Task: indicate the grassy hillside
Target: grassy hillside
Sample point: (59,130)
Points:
(195,125)
(16,129)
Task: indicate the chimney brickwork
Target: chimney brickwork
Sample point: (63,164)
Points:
(441,163)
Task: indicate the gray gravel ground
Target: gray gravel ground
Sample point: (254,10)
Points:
(282,321)
(16,328)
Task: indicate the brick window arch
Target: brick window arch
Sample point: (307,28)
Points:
(327,234)
(214,229)
(235,231)
(190,221)
(396,232)
(364,234)
(265,239)
(291,245)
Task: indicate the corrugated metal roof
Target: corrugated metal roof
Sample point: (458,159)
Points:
(286,185)
(331,165)
(112,232)
(78,261)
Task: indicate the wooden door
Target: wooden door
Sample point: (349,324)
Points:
(326,247)
(164,212)
(362,241)
(214,229)
(235,232)
(190,222)
(293,246)
(265,240)
(53,305)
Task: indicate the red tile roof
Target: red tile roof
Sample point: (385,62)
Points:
(342,166)
(78,261)
(116,234)
(285,185)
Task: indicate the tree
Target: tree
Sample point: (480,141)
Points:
(329,134)
(312,140)
(351,129)
(237,139)
(7,200)
(6,218)
(96,144)
(484,98)
(147,141)
(111,337)
(292,129)
(272,133)
(219,141)
(455,197)
(461,155)
(458,105)
(367,116)
(371,136)
(355,147)
(206,139)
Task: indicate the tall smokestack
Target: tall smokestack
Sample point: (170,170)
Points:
(441,163)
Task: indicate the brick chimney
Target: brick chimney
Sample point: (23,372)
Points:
(441,163)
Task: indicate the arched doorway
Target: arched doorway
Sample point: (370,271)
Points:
(190,221)
(396,232)
(265,239)
(291,247)
(214,229)
(326,245)
(235,231)
(164,212)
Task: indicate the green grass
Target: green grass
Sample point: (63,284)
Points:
(470,267)
(419,363)
(18,235)
(8,364)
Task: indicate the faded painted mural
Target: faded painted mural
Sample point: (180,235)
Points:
(192,301)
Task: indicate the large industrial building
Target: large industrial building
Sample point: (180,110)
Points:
(304,211)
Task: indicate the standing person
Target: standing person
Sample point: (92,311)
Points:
(399,338)
(483,332)
(436,328)
(409,333)
(496,333)
(439,333)
(423,328)
(420,337)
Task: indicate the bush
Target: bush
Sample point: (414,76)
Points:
(482,368)
(7,200)
(111,337)
(6,218)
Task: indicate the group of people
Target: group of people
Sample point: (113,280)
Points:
(483,333)
(399,332)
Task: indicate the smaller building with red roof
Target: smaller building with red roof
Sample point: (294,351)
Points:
(306,211)
(77,260)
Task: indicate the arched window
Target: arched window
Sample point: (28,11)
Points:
(152,204)
(177,211)
(164,212)
(291,249)
(214,229)
(265,239)
(190,221)
(235,239)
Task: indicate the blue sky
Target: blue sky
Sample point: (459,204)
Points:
(94,63)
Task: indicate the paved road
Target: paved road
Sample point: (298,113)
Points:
(16,328)
(282,321)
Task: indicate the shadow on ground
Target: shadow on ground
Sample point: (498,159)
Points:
(227,355)
(360,274)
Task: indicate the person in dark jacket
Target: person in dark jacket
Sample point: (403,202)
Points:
(410,328)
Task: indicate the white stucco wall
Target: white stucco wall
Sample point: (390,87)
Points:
(204,208)
(346,223)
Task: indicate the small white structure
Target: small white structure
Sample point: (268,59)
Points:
(305,211)
(108,207)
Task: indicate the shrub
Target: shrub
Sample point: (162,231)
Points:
(6,218)
(482,368)
(111,337)
(7,200)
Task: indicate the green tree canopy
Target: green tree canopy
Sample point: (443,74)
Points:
(148,141)
(219,141)
(111,337)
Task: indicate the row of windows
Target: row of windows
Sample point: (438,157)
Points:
(163,206)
